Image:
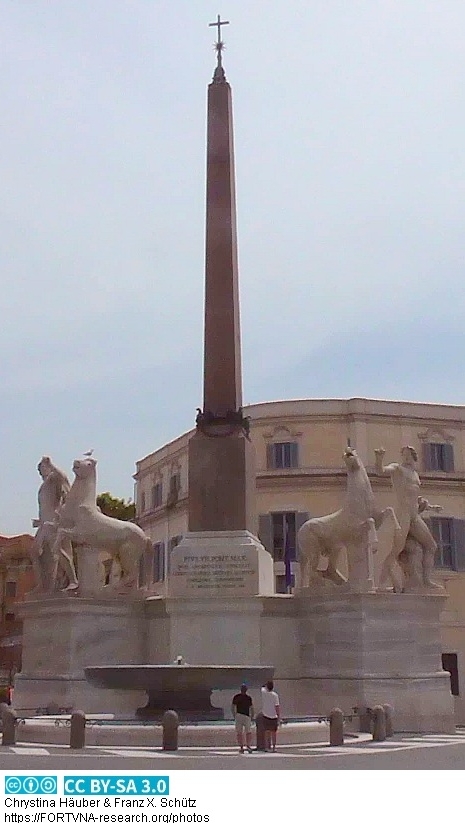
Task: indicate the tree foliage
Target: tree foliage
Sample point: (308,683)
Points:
(116,507)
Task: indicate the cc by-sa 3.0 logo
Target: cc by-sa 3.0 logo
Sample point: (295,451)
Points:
(31,784)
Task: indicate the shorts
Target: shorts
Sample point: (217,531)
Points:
(270,724)
(243,721)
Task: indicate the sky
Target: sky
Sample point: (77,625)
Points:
(350,167)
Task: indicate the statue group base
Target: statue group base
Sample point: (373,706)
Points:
(62,635)
(338,648)
(362,650)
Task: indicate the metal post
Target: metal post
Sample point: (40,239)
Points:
(336,727)
(379,724)
(9,718)
(170,724)
(77,737)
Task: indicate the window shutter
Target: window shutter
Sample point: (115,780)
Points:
(294,455)
(265,531)
(433,525)
(161,555)
(427,457)
(300,519)
(448,457)
(270,461)
(458,531)
(141,580)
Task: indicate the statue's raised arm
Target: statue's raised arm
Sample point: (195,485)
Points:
(380,468)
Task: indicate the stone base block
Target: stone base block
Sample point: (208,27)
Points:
(63,635)
(361,650)
(205,631)
(220,564)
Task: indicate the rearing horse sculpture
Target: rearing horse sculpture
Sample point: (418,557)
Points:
(353,527)
(81,522)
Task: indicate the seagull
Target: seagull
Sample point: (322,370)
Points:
(89,453)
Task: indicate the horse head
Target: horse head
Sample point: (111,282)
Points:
(85,468)
(351,459)
(360,498)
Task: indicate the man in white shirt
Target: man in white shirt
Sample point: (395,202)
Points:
(271,715)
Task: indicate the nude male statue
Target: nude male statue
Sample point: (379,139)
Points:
(408,508)
(51,496)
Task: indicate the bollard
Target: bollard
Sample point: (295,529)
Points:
(379,724)
(260,730)
(336,727)
(8,727)
(3,706)
(170,723)
(77,737)
(389,712)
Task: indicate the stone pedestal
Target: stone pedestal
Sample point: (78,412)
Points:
(221,483)
(370,649)
(220,564)
(63,635)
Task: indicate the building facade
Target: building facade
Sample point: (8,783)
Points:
(300,474)
(16,580)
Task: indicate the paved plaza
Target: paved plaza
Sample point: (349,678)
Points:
(429,751)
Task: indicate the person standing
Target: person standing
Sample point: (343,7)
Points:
(242,708)
(271,715)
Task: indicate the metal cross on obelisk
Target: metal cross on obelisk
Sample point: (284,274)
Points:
(219,46)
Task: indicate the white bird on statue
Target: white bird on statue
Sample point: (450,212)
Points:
(89,453)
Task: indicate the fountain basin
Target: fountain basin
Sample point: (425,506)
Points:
(186,689)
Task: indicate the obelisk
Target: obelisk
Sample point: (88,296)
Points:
(221,457)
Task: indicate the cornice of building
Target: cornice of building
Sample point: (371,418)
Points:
(300,411)
(333,476)
(162,512)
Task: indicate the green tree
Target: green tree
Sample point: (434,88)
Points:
(116,507)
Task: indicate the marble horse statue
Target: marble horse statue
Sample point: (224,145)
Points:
(81,522)
(353,528)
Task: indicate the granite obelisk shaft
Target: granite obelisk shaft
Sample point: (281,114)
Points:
(222,351)
(221,457)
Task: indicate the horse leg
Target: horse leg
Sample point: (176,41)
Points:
(129,562)
(310,553)
(332,573)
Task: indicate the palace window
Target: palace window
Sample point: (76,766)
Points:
(282,455)
(10,589)
(276,530)
(449,664)
(142,501)
(449,534)
(284,535)
(174,489)
(158,573)
(438,457)
(157,495)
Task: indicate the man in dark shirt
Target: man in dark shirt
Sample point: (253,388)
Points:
(242,708)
